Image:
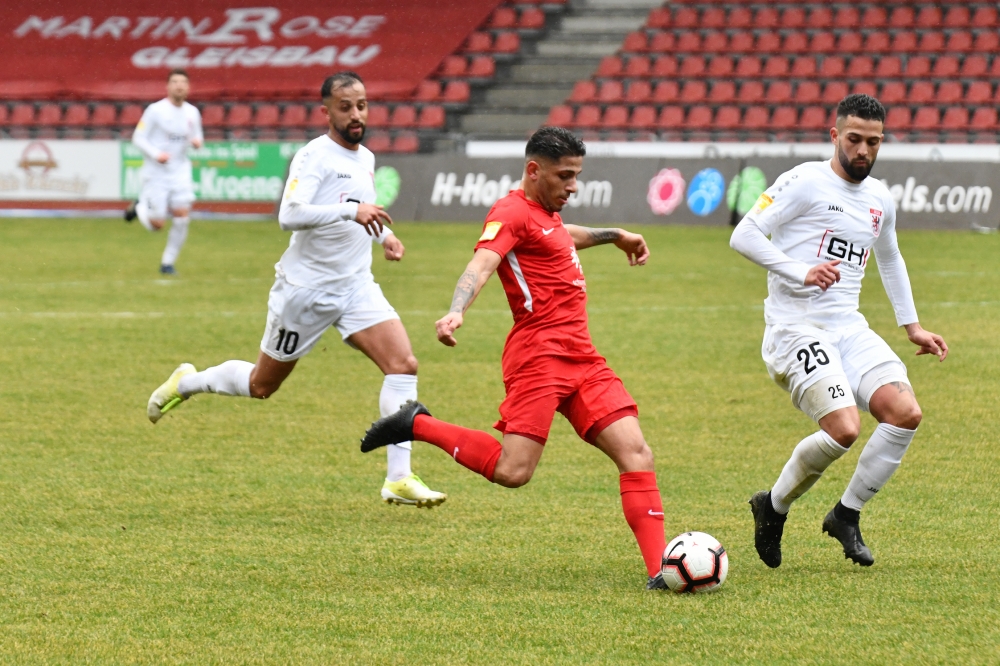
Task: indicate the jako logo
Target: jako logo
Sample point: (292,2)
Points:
(477,190)
(913,198)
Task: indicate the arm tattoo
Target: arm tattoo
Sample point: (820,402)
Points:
(465,291)
(603,236)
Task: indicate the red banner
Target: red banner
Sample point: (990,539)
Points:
(122,49)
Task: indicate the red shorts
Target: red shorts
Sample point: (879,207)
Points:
(588,393)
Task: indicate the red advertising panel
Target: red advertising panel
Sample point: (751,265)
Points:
(122,49)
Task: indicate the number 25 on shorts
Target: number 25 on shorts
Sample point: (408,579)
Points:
(818,355)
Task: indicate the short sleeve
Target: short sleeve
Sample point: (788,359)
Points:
(502,231)
(304,176)
(786,199)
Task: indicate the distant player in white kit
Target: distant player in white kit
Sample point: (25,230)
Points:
(324,279)
(164,133)
(824,220)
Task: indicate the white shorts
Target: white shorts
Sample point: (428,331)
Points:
(297,317)
(166,192)
(828,370)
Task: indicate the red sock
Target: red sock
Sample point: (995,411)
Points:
(472,449)
(644,514)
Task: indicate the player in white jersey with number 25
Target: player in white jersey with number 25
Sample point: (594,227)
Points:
(824,220)
(324,279)
(167,129)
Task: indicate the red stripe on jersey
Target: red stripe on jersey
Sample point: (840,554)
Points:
(822,240)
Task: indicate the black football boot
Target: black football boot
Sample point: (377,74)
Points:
(842,524)
(769,525)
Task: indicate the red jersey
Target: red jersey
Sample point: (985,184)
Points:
(543,279)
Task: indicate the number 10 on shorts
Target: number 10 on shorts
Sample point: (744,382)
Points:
(287,341)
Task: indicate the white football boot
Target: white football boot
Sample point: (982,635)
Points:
(411,490)
(167,396)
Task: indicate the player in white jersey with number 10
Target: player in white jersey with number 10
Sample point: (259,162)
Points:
(825,219)
(164,134)
(324,279)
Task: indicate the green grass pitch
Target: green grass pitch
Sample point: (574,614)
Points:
(239,531)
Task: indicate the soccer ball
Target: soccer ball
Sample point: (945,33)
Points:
(694,562)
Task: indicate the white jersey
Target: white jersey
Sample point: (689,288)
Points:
(814,216)
(166,128)
(328,251)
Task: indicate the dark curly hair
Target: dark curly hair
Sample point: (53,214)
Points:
(863,106)
(554,143)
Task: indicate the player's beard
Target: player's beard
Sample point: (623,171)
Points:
(855,171)
(345,133)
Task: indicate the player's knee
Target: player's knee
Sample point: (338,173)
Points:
(157,224)
(908,417)
(262,391)
(641,456)
(514,478)
(846,433)
(405,366)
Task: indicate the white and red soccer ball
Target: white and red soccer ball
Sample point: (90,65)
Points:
(694,562)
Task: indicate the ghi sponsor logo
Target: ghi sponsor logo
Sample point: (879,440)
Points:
(475,189)
(216,42)
(914,198)
(853,257)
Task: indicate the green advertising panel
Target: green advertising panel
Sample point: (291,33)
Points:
(224,171)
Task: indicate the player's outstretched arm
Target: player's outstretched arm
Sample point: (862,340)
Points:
(633,245)
(484,263)
(929,343)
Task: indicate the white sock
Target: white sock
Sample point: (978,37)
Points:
(230,378)
(809,460)
(880,458)
(175,240)
(142,212)
(397,389)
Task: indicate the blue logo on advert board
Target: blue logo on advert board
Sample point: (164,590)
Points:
(705,192)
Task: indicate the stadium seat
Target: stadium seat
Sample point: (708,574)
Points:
(929,16)
(666,92)
(659,18)
(921,92)
(832,68)
(4,114)
(637,67)
(481,67)
(583,91)
(693,92)
(104,115)
(615,117)
(957,17)
(454,66)
(686,17)
(213,115)
(748,67)
(927,118)
(635,42)
(427,91)
(294,115)
(979,92)
(848,18)
(987,41)
(931,42)
(739,18)
(531,19)
(949,92)
(917,66)
(784,118)
(713,18)
(507,43)
(865,88)
(901,17)
(834,91)
(766,18)
(793,18)
(502,17)
(610,92)
(776,67)
(378,142)
(861,67)
(266,115)
(849,42)
(727,118)
(643,118)
(132,113)
(904,41)
(663,42)
(689,42)
(974,66)
(698,118)
(768,42)
(876,42)
(779,92)
(49,114)
(479,42)
(378,115)
(807,92)
(610,67)
(692,66)
(638,92)
(892,92)
(803,67)
(985,17)
(432,116)
(239,116)
(404,116)
(407,142)
(76,115)
(873,17)
(955,118)
(560,116)
(723,92)
(715,42)
(456,92)
(588,115)
(983,118)
(720,66)
(820,17)
(823,42)
(813,118)
(994,72)
(959,41)
(670,118)
(751,92)
(756,118)
(889,67)
(898,119)
(945,67)
(741,42)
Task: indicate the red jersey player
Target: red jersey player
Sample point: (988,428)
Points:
(549,361)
